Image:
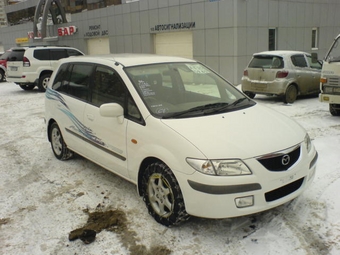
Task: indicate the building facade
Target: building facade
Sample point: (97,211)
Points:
(220,33)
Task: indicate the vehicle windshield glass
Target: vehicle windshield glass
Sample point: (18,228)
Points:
(334,52)
(181,90)
(266,61)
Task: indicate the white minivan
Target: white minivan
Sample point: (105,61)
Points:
(191,142)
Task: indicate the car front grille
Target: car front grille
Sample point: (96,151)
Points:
(283,191)
(334,81)
(280,161)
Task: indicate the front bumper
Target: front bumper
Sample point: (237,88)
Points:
(217,196)
(329,98)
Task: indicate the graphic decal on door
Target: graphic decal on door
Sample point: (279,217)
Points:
(78,128)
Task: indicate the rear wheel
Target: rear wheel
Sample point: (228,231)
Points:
(27,87)
(291,94)
(43,82)
(2,75)
(162,195)
(58,145)
(334,109)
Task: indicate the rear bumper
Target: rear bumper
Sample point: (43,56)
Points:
(276,87)
(24,79)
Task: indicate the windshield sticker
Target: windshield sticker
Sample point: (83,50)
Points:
(146,88)
(198,69)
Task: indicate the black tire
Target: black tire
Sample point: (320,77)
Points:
(58,145)
(2,75)
(43,82)
(162,195)
(27,87)
(250,94)
(334,109)
(291,94)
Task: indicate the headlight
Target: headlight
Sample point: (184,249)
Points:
(223,167)
(308,143)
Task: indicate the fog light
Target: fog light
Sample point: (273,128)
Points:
(325,98)
(244,201)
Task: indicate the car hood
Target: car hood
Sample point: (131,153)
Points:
(245,133)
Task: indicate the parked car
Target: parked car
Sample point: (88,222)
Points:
(6,56)
(34,65)
(191,142)
(282,73)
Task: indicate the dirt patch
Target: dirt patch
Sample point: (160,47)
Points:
(4,221)
(115,221)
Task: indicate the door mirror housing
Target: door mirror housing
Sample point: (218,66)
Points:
(111,110)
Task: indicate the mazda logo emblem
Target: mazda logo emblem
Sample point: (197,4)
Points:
(285,160)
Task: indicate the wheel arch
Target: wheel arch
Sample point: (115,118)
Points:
(45,72)
(144,164)
(50,122)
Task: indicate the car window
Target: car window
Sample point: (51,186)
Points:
(57,54)
(315,65)
(299,60)
(60,82)
(72,52)
(266,61)
(16,55)
(107,87)
(42,54)
(80,81)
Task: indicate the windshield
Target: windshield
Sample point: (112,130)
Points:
(180,90)
(333,54)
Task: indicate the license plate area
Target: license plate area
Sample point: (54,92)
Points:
(14,68)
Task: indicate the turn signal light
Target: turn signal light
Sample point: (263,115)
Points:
(245,72)
(323,80)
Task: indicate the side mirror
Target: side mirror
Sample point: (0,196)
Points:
(314,57)
(112,110)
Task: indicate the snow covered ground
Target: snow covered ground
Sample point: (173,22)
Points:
(42,199)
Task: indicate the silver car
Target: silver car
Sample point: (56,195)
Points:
(282,73)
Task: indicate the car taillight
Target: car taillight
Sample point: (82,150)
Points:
(26,62)
(245,72)
(282,74)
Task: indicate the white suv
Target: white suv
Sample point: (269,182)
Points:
(36,65)
(191,142)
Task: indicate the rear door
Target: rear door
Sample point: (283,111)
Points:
(304,75)
(15,63)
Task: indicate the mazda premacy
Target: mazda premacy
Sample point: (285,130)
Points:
(191,142)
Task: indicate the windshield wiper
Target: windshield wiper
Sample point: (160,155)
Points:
(200,109)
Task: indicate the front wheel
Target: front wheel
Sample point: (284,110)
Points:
(291,94)
(58,145)
(43,82)
(334,109)
(27,87)
(162,195)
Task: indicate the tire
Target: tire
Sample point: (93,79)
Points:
(2,75)
(291,94)
(58,145)
(43,82)
(334,109)
(162,195)
(250,94)
(27,87)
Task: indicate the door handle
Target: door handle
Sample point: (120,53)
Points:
(90,116)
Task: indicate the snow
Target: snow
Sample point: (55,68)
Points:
(42,199)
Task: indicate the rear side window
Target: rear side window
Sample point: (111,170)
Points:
(80,81)
(60,82)
(266,61)
(43,54)
(57,54)
(299,61)
(16,55)
(72,52)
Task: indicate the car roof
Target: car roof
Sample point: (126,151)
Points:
(127,59)
(281,53)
